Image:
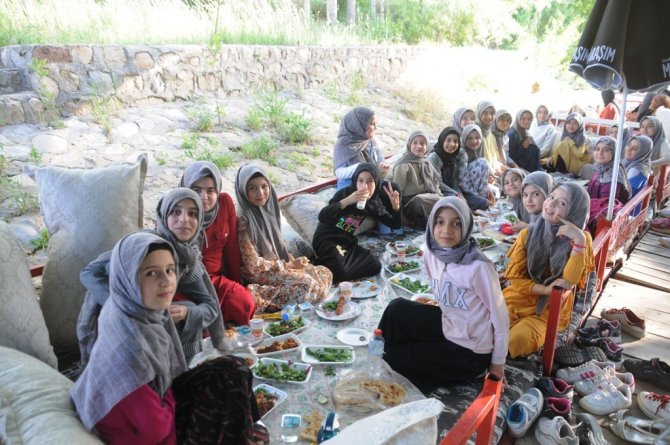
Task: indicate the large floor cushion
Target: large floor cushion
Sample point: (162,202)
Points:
(35,402)
(22,325)
(86,212)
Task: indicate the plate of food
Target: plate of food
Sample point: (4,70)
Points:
(403,266)
(338,310)
(362,289)
(425,298)
(354,336)
(510,239)
(327,355)
(281,344)
(486,242)
(294,324)
(250,359)
(406,283)
(268,398)
(511,217)
(285,371)
(412,249)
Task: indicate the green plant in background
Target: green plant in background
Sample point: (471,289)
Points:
(39,67)
(254,118)
(161,158)
(272,176)
(189,141)
(316,152)
(3,158)
(201,117)
(295,128)
(272,106)
(298,158)
(103,108)
(35,156)
(259,148)
(332,91)
(21,201)
(42,241)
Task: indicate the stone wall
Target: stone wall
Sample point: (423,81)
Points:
(136,75)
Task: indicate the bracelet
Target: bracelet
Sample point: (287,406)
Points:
(580,246)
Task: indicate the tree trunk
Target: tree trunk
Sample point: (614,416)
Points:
(351,12)
(307,10)
(331,11)
(373,9)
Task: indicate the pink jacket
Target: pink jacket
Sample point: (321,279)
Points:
(474,314)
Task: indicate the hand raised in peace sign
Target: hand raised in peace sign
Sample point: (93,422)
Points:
(393,195)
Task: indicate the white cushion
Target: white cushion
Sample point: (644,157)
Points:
(302,213)
(22,325)
(36,402)
(86,212)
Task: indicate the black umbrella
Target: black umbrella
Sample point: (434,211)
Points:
(625,45)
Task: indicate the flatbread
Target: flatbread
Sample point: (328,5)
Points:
(389,393)
(312,424)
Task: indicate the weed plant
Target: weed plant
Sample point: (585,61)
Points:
(42,241)
(263,147)
(35,156)
(103,108)
(272,106)
(202,117)
(254,118)
(295,128)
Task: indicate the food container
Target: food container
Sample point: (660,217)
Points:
(280,338)
(293,365)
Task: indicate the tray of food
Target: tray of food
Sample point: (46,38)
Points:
(282,344)
(294,324)
(412,249)
(268,398)
(403,266)
(486,242)
(327,355)
(511,217)
(413,286)
(282,371)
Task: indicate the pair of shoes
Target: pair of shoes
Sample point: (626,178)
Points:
(653,371)
(557,407)
(610,348)
(655,406)
(604,328)
(522,413)
(607,400)
(588,430)
(598,382)
(630,322)
(636,430)
(555,387)
(585,371)
(571,356)
(665,241)
(554,432)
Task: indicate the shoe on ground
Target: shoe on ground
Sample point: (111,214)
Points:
(604,328)
(585,371)
(612,351)
(522,413)
(630,322)
(661,224)
(557,407)
(556,431)
(607,400)
(653,371)
(655,406)
(572,356)
(555,387)
(665,241)
(593,384)
(588,431)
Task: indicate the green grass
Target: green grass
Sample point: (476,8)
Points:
(260,148)
(161,158)
(103,108)
(254,118)
(21,201)
(298,158)
(295,128)
(42,241)
(35,156)
(189,141)
(202,118)
(272,107)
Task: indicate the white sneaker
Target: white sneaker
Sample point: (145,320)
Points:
(655,406)
(522,413)
(607,400)
(556,431)
(585,371)
(591,385)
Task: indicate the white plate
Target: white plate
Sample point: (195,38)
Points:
(308,323)
(269,341)
(352,336)
(515,219)
(397,277)
(364,289)
(492,246)
(245,356)
(424,295)
(414,269)
(281,395)
(305,357)
(292,365)
(351,310)
(391,249)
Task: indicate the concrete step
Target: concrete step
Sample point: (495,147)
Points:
(24,107)
(11,81)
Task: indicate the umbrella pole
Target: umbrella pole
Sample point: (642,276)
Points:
(617,154)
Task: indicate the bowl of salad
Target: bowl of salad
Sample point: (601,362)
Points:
(294,324)
(413,286)
(285,371)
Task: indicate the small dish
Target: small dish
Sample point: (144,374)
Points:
(403,266)
(280,339)
(425,298)
(511,218)
(412,249)
(401,281)
(354,336)
(268,327)
(486,242)
(251,359)
(276,393)
(308,358)
(265,362)
(364,289)
(351,310)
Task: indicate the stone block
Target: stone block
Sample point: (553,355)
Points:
(69,80)
(144,60)
(49,143)
(82,54)
(114,56)
(34,110)
(169,59)
(132,87)
(100,82)
(53,54)
(11,111)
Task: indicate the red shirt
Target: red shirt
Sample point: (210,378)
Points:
(221,250)
(140,418)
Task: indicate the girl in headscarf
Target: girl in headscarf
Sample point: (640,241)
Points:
(466,333)
(651,127)
(522,148)
(417,178)
(501,124)
(485,116)
(356,144)
(572,153)
(463,117)
(334,241)
(553,251)
(219,244)
(276,277)
(637,160)
(475,178)
(535,188)
(135,388)
(511,187)
(543,131)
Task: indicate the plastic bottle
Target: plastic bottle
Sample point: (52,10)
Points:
(288,312)
(375,353)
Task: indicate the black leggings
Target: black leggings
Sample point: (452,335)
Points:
(357,262)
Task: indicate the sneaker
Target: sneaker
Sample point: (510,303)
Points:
(554,432)
(593,384)
(572,356)
(585,371)
(522,413)
(610,348)
(555,387)
(608,400)
(557,407)
(664,213)
(630,322)
(653,371)
(661,225)
(589,431)
(655,406)
(604,328)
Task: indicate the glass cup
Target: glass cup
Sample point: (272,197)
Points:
(256,325)
(401,249)
(360,205)
(345,289)
(495,212)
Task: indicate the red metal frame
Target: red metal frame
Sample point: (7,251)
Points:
(663,189)
(480,417)
(596,127)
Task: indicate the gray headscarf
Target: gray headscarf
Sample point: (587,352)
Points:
(431,177)
(458,115)
(498,133)
(481,107)
(472,154)
(546,250)
(521,132)
(543,181)
(604,171)
(188,252)
(544,122)
(263,223)
(658,138)
(352,143)
(467,250)
(194,173)
(578,135)
(137,345)
(517,203)
(642,160)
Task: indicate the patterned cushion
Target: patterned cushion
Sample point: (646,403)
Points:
(86,212)
(22,325)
